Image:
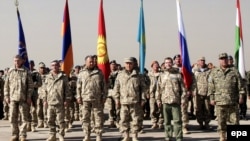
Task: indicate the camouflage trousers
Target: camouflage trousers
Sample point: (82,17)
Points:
(56,117)
(172,112)
(184,112)
(113,111)
(5,109)
(227,113)
(69,113)
(17,108)
(95,107)
(33,110)
(156,113)
(41,111)
(130,117)
(202,109)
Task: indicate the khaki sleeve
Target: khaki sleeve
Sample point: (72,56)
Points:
(158,92)
(79,87)
(116,89)
(30,86)
(67,92)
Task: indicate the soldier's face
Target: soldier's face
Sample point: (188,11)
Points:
(113,66)
(90,63)
(18,62)
(55,67)
(168,64)
(177,60)
(223,62)
(201,63)
(155,67)
(42,70)
(129,66)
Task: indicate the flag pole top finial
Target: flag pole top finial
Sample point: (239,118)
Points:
(16,3)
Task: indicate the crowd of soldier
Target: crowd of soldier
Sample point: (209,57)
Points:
(48,98)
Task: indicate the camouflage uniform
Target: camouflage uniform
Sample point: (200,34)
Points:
(19,88)
(129,91)
(75,108)
(41,109)
(156,112)
(33,109)
(184,109)
(5,104)
(225,88)
(114,112)
(171,93)
(91,90)
(57,93)
(1,95)
(201,100)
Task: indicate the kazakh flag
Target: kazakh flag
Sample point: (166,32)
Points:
(142,40)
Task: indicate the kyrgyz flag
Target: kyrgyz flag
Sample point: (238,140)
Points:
(186,66)
(239,50)
(67,54)
(102,52)
(22,51)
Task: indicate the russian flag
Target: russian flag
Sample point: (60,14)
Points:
(186,66)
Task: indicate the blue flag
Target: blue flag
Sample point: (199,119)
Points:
(22,45)
(142,40)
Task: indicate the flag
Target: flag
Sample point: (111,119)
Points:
(239,50)
(186,66)
(142,40)
(22,51)
(67,53)
(102,52)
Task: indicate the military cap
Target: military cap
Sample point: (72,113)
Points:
(130,59)
(202,58)
(41,65)
(112,62)
(230,57)
(176,56)
(32,62)
(223,55)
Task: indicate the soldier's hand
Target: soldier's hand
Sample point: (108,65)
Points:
(66,103)
(148,96)
(79,100)
(45,103)
(142,103)
(249,97)
(241,100)
(212,102)
(159,104)
(7,100)
(118,104)
(29,101)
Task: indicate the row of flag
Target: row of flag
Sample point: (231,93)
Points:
(102,51)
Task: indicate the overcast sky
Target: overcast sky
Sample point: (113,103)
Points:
(209,24)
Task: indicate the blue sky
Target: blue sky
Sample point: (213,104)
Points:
(209,24)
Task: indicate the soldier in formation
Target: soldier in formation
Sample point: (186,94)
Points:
(57,97)
(41,109)
(200,97)
(113,110)
(171,94)
(129,93)
(156,114)
(226,91)
(91,94)
(18,89)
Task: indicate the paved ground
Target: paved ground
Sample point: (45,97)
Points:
(76,133)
